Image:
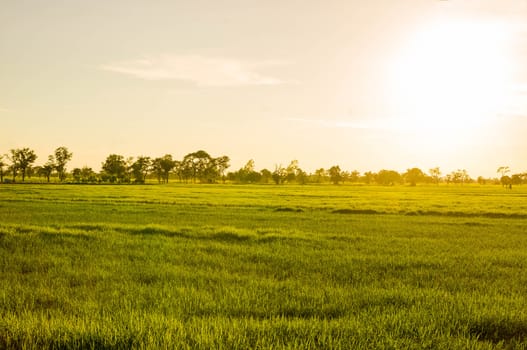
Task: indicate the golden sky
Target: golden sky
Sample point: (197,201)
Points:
(366,85)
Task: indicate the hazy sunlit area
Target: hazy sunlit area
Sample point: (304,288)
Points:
(365,85)
(263,174)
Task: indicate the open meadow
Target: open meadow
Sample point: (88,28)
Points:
(238,267)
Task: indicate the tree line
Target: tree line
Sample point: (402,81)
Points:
(201,167)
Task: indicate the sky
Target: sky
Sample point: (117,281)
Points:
(366,85)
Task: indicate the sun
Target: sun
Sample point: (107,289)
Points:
(452,74)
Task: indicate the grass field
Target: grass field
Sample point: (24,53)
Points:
(238,267)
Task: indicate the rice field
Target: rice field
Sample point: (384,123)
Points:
(260,267)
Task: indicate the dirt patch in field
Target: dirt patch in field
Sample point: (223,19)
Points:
(356,211)
(288,209)
(507,332)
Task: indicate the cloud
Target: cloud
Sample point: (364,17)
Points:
(2,109)
(197,69)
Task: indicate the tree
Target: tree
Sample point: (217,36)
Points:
(388,177)
(163,166)
(88,175)
(21,160)
(291,171)
(201,166)
(2,165)
(76,173)
(435,173)
(459,176)
(279,174)
(506,181)
(47,169)
(157,169)
(246,174)
(265,176)
(368,177)
(84,175)
(414,175)
(335,175)
(503,170)
(301,177)
(114,168)
(140,168)
(320,175)
(354,176)
(222,164)
(62,157)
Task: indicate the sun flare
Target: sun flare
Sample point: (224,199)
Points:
(452,74)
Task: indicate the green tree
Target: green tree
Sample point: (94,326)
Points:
(435,173)
(21,160)
(62,157)
(335,175)
(246,174)
(292,170)
(76,173)
(414,175)
(320,175)
(162,167)
(279,174)
(265,176)
(201,166)
(354,176)
(157,169)
(3,164)
(46,170)
(140,168)
(459,176)
(114,168)
(222,164)
(88,175)
(504,179)
(368,177)
(388,177)
(503,170)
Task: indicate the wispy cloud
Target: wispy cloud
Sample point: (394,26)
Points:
(2,109)
(197,69)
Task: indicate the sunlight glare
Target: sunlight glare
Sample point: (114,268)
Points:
(455,74)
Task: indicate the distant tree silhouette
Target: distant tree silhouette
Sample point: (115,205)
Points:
(114,168)
(335,174)
(279,174)
(246,174)
(414,175)
(22,159)
(516,179)
(506,181)
(46,170)
(435,173)
(266,175)
(459,176)
(2,166)
(140,168)
(320,175)
(368,177)
(62,157)
(163,166)
(354,176)
(202,166)
(388,177)
(503,170)
(222,164)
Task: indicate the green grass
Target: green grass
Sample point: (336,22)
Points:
(237,267)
